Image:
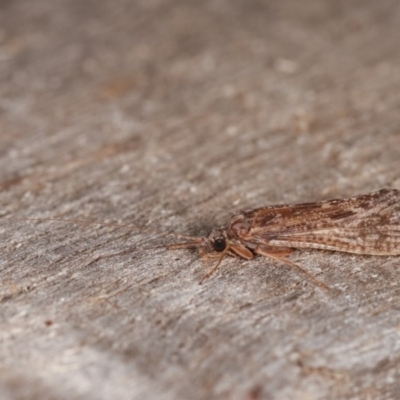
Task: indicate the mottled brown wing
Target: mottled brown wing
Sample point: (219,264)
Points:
(367,224)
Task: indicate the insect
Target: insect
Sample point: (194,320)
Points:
(366,224)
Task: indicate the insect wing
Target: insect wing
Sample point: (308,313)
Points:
(367,224)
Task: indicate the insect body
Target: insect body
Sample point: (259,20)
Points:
(366,224)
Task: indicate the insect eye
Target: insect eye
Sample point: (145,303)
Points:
(219,245)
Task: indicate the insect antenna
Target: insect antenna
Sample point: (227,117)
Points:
(195,242)
(74,220)
(190,241)
(109,224)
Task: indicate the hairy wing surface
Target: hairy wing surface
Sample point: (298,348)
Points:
(367,224)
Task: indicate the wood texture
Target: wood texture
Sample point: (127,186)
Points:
(173,116)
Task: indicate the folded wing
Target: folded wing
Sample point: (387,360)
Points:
(367,224)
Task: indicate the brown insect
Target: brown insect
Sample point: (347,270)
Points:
(366,224)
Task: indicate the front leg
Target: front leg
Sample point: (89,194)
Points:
(267,251)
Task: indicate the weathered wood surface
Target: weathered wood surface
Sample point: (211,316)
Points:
(174,115)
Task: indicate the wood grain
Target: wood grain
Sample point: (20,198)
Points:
(174,116)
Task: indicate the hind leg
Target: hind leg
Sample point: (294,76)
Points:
(278,254)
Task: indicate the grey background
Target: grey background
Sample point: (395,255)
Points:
(174,115)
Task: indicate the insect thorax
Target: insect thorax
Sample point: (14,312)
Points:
(240,224)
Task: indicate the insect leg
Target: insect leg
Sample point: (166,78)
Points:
(223,255)
(241,251)
(276,254)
